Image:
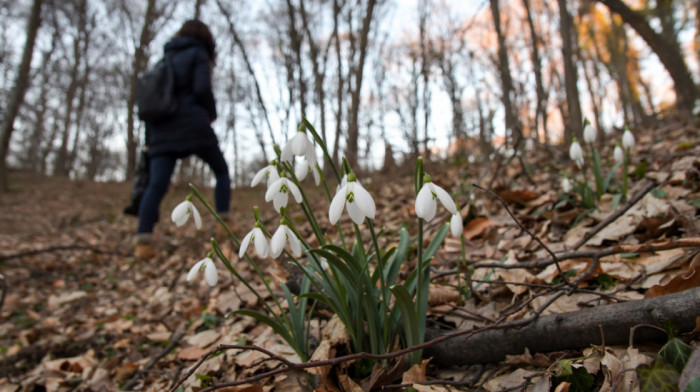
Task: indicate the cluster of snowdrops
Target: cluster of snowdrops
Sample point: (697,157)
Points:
(357,279)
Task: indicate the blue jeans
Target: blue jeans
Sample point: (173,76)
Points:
(161,168)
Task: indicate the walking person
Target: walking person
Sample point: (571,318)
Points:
(192,54)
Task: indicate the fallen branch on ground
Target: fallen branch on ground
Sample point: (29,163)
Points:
(573,330)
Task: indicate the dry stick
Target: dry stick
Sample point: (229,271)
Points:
(612,250)
(612,217)
(546,248)
(3,287)
(352,357)
(174,339)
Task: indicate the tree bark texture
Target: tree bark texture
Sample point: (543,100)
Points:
(573,330)
(669,56)
(574,120)
(20,88)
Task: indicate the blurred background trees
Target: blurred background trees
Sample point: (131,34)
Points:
(382,80)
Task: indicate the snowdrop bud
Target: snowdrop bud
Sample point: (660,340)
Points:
(565,185)
(182,212)
(618,154)
(210,273)
(627,139)
(589,133)
(576,153)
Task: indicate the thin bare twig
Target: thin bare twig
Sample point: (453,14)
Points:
(174,339)
(517,221)
(618,213)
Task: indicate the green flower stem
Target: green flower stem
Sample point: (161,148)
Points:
(625,173)
(384,289)
(468,277)
(306,206)
(421,296)
(597,172)
(216,215)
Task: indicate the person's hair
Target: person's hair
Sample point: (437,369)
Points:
(197,29)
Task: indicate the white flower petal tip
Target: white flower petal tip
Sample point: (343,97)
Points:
(355,198)
(618,154)
(299,145)
(182,212)
(211,275)
(628,139)
(283,235)
(576,153)
(279,191)
(456,225)
(589,134)
(565,185)
(257,238)
(426,201)
(268,172)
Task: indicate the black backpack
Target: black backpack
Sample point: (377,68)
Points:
(155,92)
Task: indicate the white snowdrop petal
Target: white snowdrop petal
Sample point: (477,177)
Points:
(179,214)
(628,139)
(424,200)
(259,176)
(195,268)
(245,243)
(197,217)
(274,189)
(355,212)
(337,205)
(301,169)
(211,275)
(317,174)
(260,242)
(294,190)
(287,155)
(294,243)
(277,242)
(456,225)
(618,154)
(445,199)
(365,201)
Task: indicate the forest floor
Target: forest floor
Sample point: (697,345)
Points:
(78,313)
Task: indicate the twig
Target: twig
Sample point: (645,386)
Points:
(693,242)
(545,247)
(174,339)
(612,217)
(633,329)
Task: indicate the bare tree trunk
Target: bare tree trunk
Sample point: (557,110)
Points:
(506,78)
(337,7)
(669,56)
(425,62)
(198,7)
(139,64)
(574,122)
(20,88)
(359,67)
(541,108)
(319,75)
(296,38)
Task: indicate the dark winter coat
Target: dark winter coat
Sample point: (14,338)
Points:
(190,128)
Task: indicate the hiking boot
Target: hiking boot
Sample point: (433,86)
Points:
(145,249)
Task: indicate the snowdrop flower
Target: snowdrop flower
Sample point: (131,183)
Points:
(456,225)
(257,237)
(182,212)
(279,191)
(283,235)
(269,172)
(618,154)
(299,145)
(210,273)
(627,139)
(355,197)
(426,201)
(576,153)
(565,185)
(589,133)
(302,169)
